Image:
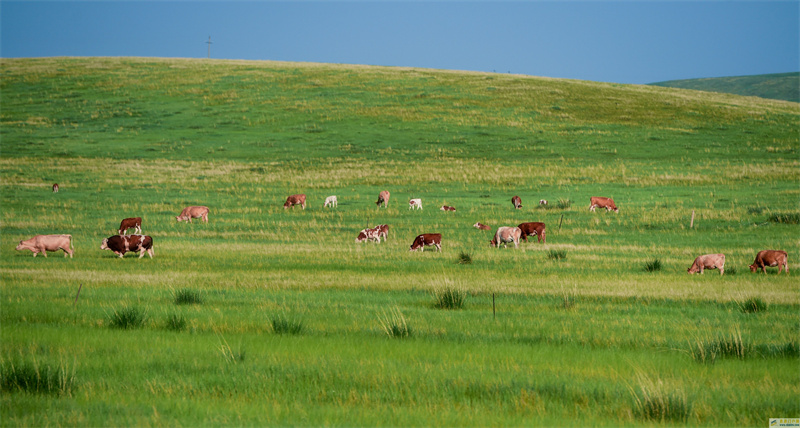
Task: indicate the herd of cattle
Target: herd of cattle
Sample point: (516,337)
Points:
(121,243)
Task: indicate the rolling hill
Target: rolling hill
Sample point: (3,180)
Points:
(782,86)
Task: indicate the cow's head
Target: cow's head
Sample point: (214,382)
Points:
(104,245)
(493,243)
(20,246)
(753,268)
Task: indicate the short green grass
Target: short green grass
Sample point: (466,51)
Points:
(579,333)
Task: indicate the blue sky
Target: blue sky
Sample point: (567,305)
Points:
(623,42)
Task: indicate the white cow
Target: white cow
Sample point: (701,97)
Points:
(415,204)
(331,201)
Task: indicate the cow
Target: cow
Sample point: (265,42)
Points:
(446,208)
(331,201)
(383,230)
(542,202)
(55,187)
(770,258)
(383,198)
(517,201)
(599,201)
(506,234)
(427,239)
(480,226)
(415,204)
(44,243)
(189,213)
(531,229)
(121,244)
(134,222)
(373,234)
(708,261)
(293,200)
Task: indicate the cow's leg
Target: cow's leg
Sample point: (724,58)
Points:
(43,251)
(701,269)
(150,252)
(722,270)
(438,247)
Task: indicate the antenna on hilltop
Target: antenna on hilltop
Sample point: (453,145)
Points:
(209,43)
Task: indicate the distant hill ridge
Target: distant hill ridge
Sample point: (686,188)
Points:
(781,86)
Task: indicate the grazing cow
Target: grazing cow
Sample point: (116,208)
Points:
(134,222)
(331,201)
(770,258)
(121,244)
(542,202)
(506,234)
(517,201)
(55,187)
(383,198)
(480,226)
(708,261)
(599,201)
(44,243)
(374,234)
(446,208)
(383,230)
(533,229)
(189,213)
(427,239)
(293,200)
(415,204)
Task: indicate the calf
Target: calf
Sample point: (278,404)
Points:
(542,202)
(517,201)
(134,222)
(374,234)
(55,187)
(427,239)
(331,201)
(293,200)
(121,244)
(770,258)
(189,213)
(446,208)
(44,243)
(383,198)
(533,229)
(708,261)
(415,204)
(506,234)
(480,226)
(599,201)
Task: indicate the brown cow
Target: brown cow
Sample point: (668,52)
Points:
(599,201)
(708,261)
(427,239)
(480,226)
(44,243)
(531,229)
(55,187)
(517,201)
(134,222)
(293,200)
(446,208)
(383,198)
(120,244)
(770,258)
(189,213)
(506,234)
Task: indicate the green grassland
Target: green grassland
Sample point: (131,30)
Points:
(591,338)
(780,86)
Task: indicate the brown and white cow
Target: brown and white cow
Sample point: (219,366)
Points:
(383,198)
(415,204)
(446,208)
(128,223)
(601,202)
(331,201)
(517,201)
(427,239)
(542,202)
(480,226)
(533,229)
(374,234)
(55,187)
(44,243)
(506,234)
(770,258)
(121,244)
(708,261)
(189,213)
(293,200)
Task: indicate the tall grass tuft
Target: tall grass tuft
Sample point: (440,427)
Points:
(707,351)
(464,258)
(564,204)
(653,265)
(753,305)
(186,296)
(176,322)
(653,401)
(450,298)
(557,254)
(284,325)
(228,354)
(394,324)
(785,218)
(33,377)
(129,317)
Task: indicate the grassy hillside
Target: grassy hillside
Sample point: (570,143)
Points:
(575,331)
(781,86)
